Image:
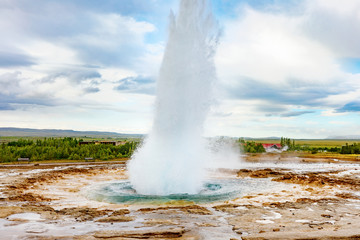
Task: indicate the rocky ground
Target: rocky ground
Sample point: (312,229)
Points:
(314,199)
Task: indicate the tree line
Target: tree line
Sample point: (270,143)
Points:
(287,142)
(63,148)
(253,147)
(350,149)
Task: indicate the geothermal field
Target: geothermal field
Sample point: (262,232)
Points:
(277,196)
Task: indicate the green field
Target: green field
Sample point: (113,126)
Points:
(6,139)
(314,142)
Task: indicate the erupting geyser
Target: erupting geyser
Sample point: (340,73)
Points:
(172,158)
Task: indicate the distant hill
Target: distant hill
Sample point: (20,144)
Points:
(29,132)
(348,137)
(263,138)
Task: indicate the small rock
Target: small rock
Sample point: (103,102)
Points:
(116,219)
(206,225)
(160,234)
(155,222)
(120,212)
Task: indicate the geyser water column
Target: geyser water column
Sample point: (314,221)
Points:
(173,157)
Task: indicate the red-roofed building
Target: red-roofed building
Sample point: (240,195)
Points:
(272,145)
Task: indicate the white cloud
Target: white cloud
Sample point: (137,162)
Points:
(272,48)
(342,8)
(332,113)
(77,56)
(9,83)
(273,62)
(114,74)
(111,40)
(275,50)
(335,24)
(64,33)
(49,55)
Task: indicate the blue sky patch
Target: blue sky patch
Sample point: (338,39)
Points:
(350,107)
(351,65)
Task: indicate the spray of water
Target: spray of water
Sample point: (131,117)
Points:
(173,157)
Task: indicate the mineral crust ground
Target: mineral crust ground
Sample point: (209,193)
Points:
(315,198)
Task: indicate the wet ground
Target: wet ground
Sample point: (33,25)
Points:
(309,198)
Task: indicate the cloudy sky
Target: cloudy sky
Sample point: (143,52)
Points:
(285,67)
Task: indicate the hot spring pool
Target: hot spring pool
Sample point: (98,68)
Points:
(213,190)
